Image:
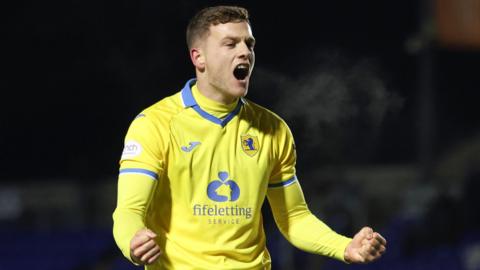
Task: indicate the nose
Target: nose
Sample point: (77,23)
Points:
(245,52)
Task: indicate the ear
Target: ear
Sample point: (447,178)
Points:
(198,58)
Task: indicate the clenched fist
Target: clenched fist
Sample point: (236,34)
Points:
(143,248)
(366,246)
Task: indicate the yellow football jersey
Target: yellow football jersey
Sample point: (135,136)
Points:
(197,172)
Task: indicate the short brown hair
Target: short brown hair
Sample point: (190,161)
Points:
(200,23)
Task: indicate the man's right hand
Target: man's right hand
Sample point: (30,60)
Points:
(143,248)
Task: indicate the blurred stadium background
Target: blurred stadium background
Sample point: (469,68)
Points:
(382,98)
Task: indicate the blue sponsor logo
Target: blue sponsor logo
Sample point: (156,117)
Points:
(223,189)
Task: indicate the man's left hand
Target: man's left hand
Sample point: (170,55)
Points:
(366,246)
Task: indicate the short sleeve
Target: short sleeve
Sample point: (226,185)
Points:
(283,173)
(144,148)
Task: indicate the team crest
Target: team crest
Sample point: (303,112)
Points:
(250,144)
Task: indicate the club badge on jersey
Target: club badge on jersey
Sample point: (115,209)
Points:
(250,144)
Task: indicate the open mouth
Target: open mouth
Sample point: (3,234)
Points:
(241,71)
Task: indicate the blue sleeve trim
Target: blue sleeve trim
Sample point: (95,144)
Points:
(284,183)
(148,173)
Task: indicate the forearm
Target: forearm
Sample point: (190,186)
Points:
(308,233)
(126,222)
(300,227)
(134,193)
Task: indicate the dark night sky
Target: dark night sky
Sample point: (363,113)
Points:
(77,72)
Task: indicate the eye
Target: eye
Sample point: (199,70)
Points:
(229,43)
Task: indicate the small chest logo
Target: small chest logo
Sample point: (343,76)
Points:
(223,189)
(190,146)
(250,144)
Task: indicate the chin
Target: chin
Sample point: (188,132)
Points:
(241,88)
(240,92)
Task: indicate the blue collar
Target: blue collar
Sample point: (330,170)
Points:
(189,101)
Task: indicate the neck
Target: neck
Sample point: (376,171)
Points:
(213,93)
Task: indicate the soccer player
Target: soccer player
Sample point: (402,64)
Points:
(198,165)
